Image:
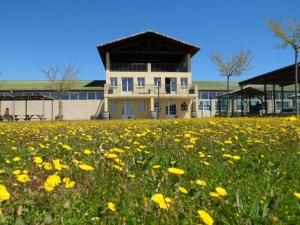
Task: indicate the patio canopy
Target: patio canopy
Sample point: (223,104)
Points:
(248,92)
(283,77)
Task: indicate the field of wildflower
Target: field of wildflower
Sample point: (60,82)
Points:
(185,171)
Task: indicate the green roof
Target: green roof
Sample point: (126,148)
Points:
(28,85)
(216,85)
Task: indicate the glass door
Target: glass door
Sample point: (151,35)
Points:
(127,110)
(171,110)
(127,85)
(173,82)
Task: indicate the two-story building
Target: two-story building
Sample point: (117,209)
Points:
(148,75)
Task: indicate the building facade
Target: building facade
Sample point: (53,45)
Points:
(148,75)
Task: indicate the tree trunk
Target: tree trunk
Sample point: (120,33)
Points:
(60,108)
(227,95)
(296,81)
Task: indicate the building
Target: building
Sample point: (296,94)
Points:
(146,72)
(148,75)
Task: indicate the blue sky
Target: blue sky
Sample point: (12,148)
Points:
(38,33)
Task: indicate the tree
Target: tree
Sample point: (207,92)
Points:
(235,66)
(289,33)
(61,79)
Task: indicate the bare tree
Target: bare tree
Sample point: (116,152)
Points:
(62,79)
(235,66)
(289,33)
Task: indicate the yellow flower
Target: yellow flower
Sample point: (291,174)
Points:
(221,191)
(297,195)
(214,194)
(47,166)
(67,147)
(236,157)
(205,217)
(111,206)
(118,167)
(37,160)
(162,201)
(131,176)
(51,182)
(16,159)
(87,152)
(86,167)
(175,171)
(4,194)
(201,182)
(156,166)
(16,172)
(2,171)
(182,190)
(110,155)
(14,148)
(56,164)
(118,150)
(68,183)
(23,178)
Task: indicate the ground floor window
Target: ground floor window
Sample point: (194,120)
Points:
(171,109)
(113,107)
(127,109)
(141,106)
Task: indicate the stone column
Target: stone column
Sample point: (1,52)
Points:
(153,113)
(194,108)
(105,113)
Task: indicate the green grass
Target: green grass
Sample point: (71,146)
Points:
(260,186)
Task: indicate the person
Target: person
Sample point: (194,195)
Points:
(6,112)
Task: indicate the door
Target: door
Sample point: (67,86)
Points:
(127,110)
(168,85)
(173,85)
(171,110)
(127,85)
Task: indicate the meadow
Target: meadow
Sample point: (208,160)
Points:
(185,171)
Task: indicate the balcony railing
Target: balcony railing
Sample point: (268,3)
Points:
(151,90)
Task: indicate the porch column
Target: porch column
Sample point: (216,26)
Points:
(148,67)
(153,113)
(105,113)
(242,101)
(194,108)
(266,99)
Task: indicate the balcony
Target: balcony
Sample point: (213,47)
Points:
(151,91)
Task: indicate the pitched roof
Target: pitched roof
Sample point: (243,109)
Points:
(215,85)
(105,47)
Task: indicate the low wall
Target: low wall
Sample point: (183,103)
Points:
(72,109)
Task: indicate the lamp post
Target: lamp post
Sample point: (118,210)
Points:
(158,100)
(297,48)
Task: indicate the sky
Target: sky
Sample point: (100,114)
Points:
(35,34)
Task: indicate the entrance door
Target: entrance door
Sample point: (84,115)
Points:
(127,110)
(171,110)
(171,85)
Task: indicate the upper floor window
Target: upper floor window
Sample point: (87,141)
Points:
(114,81)
(157,81)
(141,81)
(184,82)
(127,84)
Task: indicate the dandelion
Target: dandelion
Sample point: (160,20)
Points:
(221,191)
(214,194)
(205,217)
(68,183)
(23,178)
(201,182)
(4,194)
(37,160)
(182,190)
(87,152)
(156,166)
(111,206)
(175,171)
(236,157)
(297,195)
(162,201)
(67,147)
(86,167)
(51,182)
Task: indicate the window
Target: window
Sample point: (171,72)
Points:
(204,105)
(212,95)
(204,95)
(157,81)
(54,95)
(141,106)
(141,81)
(91,95)
(74,95)
(184,82)
(127,84)
(36,93)
(82,96)
(157,106)
(113,107)
(184,106)
(114,81)
(65,96)
(99,95)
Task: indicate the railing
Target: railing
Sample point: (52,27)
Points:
(151,90)
(140,67)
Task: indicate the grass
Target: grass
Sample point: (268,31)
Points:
(255,161)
